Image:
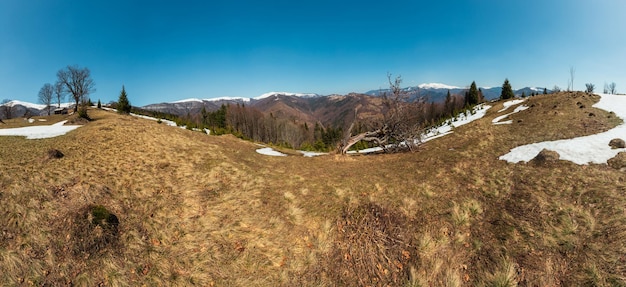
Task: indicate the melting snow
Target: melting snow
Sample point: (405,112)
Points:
(581,150)
(311,153)
(510,104)
(270,151)
(497,120)
(39,132)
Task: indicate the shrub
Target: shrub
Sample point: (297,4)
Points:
(82,113)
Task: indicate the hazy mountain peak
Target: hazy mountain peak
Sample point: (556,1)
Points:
(437,86)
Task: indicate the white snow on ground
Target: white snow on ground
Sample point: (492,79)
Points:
(497,120)
(581,150)
(510,104)
(462,119)
(311,153)
(167,122)
(269,151)
(39,132)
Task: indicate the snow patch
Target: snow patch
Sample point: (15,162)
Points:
(580,150)
(311,153)
(269,151)
(510,104)
(462,119)
(39,132)
(497,120)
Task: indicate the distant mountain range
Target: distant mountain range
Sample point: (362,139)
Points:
(17,108)
(436,92)
(304,107)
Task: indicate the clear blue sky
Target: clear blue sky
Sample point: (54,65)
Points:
(171,50)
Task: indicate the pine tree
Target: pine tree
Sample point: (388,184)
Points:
(471,98)
(123,105)
(99,104)
(447,106)
(545,91)
(507,91)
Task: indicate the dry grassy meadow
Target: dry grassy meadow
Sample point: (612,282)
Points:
(210,211)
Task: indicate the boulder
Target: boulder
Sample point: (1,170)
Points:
(618,162)
(546,156)
(617,143)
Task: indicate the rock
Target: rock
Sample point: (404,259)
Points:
(618,162)
(545,156)
(617,143)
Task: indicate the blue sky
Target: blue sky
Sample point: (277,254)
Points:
(170,50)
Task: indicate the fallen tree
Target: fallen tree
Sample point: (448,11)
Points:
(399,128)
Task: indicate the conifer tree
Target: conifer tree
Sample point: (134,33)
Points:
(123,105)
(545,91)
(447,106)
(471,98)
(99,104)
(507,91)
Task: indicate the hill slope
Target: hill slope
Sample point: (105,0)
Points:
(201,210)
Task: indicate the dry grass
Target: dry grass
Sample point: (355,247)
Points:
(202,210)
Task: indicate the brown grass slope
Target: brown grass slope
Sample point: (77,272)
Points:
(202,210)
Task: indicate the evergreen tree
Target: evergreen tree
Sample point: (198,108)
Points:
(447,106)
(545,91)
(123,105)
(99,104)
(507,91)
(471,97)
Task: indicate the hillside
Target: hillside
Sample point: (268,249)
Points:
(193,209)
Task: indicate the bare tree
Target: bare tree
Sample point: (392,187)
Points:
(59,93)
(45,96)
(76,82)
(400,127)
(611,88)
(570,82)
(590,87)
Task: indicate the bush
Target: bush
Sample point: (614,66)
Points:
(82,113)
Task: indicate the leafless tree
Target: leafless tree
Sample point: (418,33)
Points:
(59,93)
(611,88)
(45,96)
(400,127)
(76,82)
(570,83)
(590,87)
